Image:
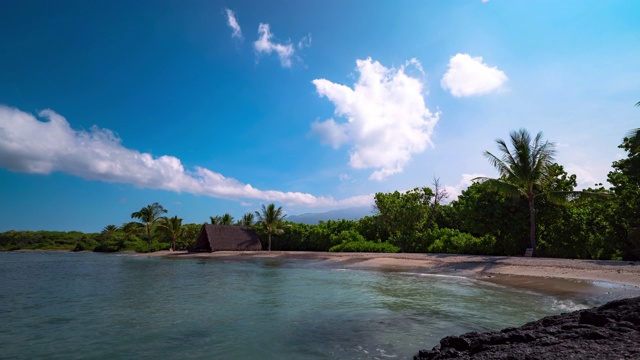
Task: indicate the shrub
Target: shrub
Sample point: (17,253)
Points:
(452,241)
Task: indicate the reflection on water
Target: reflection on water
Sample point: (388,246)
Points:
(66,305)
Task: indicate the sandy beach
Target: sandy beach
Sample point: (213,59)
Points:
(554,276)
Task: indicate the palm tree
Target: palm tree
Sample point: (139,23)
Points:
(270,218)
(108,231)
(524,171)
(226,219)
(172,227)
(148,217)
(215,220)
(248,219)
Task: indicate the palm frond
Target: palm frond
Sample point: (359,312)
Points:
(571,197)
(503,167)
(503,187)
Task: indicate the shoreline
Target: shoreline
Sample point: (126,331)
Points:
(563,278)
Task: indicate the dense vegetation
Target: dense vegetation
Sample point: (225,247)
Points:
(487,218)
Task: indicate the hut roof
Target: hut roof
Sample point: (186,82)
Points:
(227,237)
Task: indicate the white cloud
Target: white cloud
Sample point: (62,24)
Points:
(584,176)
(305,42)
(330,132)
(42,147)
(468,76)
(387,119)
(233,24)
(465,182)
(265,45)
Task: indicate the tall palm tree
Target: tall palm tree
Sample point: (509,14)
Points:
(172,227)
(226,219)
(248,219)
(524,171)
(215,220)
(270,219)
(148,216)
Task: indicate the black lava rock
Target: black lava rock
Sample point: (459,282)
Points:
(611,331)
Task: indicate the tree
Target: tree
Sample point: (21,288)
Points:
(270,218)
(215,220)
(405,215)
(625,181)
(172,227)
(226,219)
(525,171)
(248,219)
(148,216)
(108,231)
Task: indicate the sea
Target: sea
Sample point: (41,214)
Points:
(65,305)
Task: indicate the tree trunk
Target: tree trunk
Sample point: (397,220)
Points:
(532,229)
(269,248)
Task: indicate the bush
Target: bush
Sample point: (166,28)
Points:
(85,244)
(452,241)
(143,246)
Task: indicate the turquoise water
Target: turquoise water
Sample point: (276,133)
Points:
(83,305)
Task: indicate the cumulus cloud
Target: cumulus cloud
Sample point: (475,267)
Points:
(233,24)
(387,120)
(584,176)
(456,190)
(30,145)
(468,76)
(264,44)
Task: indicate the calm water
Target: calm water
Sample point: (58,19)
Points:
(85,305)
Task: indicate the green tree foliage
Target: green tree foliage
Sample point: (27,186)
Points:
(405,215)
(44,240)
(190,233)
(226,219)
(248,219)
(526,171)
(270,218)
(479,210)
(148,217)
(625,181)
(453,241)
(215,220)
(172,228)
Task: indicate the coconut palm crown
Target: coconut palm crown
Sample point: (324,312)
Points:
(172,227)
(148,216)
(270,219)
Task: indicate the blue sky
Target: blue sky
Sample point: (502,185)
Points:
(210,107)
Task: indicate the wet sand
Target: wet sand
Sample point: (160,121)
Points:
(558,277)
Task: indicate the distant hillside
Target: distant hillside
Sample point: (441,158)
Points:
(353,213)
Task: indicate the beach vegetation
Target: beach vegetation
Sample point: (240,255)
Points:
(226,219)
(172,229)
(270,219)
(525,172)
(148,218)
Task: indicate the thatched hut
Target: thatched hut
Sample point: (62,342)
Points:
(227,238)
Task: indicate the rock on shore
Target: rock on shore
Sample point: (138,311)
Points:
(611,331)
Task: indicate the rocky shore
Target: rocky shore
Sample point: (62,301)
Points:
(611,331)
